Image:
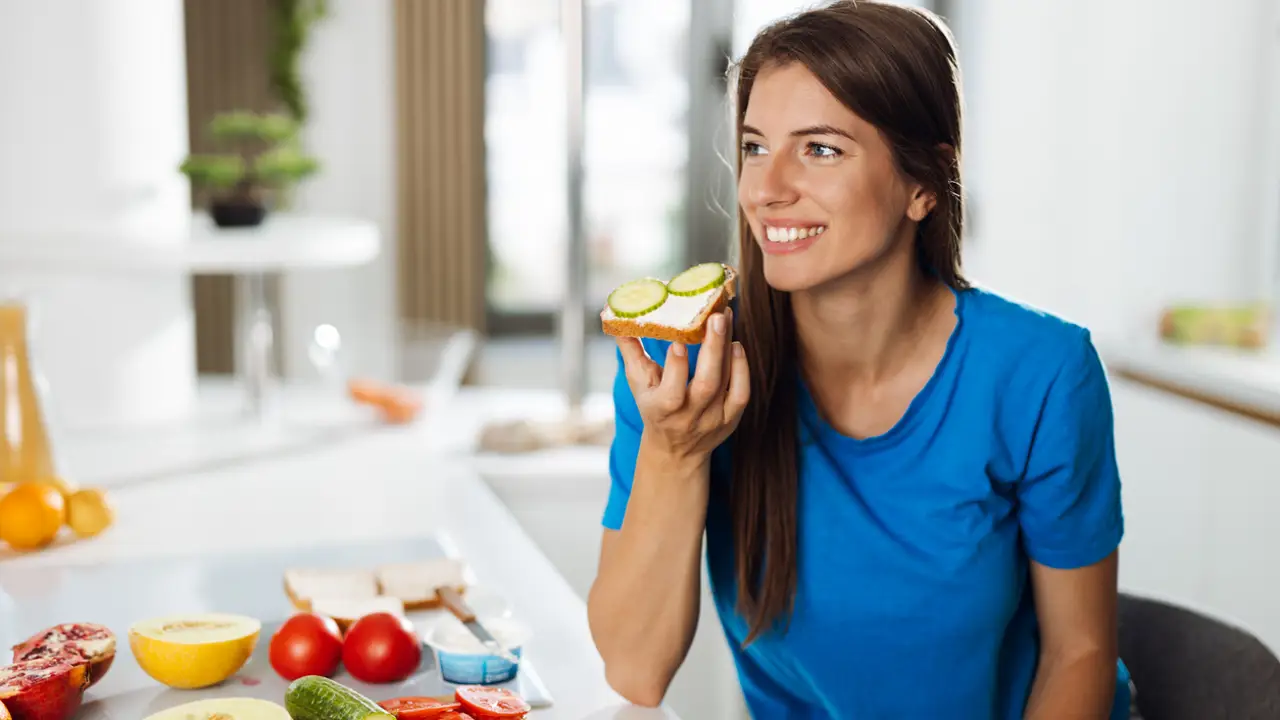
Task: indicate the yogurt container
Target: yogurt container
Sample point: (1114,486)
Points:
(463,660)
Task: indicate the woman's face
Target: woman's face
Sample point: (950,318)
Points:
(818,185)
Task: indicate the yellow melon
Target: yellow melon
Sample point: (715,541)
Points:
(224,709)
(194,651)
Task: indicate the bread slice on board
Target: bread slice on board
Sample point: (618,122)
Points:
(304,585)
(680,319)
(345,611)
(415,583)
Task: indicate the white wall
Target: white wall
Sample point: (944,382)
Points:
(1120,147)
(90,142)
(349,75)
(1120,156)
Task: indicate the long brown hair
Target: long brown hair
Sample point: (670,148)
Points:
(894,67)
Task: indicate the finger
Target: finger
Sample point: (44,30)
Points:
(675,377)
(642,372)
(726,370)
(706,378)
(739,392)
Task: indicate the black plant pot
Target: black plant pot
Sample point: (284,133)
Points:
(237,213)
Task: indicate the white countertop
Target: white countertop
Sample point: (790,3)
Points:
(378,484)
(283,241)
(1248,379)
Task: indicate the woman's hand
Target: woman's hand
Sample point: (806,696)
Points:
(683,418)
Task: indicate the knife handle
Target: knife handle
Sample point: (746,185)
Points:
(453,600)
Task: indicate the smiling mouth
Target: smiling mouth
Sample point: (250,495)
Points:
(792,234)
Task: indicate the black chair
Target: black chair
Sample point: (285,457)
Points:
(1186,666)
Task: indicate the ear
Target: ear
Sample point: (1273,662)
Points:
(922,203)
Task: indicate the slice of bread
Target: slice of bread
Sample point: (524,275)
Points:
(679,319)
(304,585)
(346,611)
(415,583)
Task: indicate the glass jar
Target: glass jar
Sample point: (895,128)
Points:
(26,453)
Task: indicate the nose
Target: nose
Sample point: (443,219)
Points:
(771,182)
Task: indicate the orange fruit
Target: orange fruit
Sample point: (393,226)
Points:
(89,512)
(31,515)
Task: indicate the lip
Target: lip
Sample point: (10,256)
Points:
(790,222)
(769,247)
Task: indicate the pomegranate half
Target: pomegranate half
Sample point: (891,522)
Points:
(43,689)
(88,643)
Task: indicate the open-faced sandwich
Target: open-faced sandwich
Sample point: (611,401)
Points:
(676,310)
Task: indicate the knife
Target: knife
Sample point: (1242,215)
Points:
(453,600)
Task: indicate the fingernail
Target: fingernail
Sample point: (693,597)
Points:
(717,324)
(737,350)
(679,349)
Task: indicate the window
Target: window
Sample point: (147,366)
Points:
(635,152)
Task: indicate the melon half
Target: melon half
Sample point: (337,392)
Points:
(194,651)
(224,709)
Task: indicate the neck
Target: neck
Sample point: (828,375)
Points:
(859,328)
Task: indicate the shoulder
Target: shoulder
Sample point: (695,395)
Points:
(1025,357)
(1019,341)
(1018,326)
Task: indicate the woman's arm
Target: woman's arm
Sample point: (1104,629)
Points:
(1076,608)
(643,605)
(1072,522)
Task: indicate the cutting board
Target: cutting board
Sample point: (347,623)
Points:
(256,679)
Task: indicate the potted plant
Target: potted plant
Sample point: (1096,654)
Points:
(263,160)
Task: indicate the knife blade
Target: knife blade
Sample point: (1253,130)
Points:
(453,600)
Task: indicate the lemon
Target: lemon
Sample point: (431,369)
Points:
(89,512)
(193,651)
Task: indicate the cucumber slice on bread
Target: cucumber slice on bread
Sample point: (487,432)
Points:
(697,279)
(638,297)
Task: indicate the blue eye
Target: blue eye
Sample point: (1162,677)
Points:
(823,151)
(752,148)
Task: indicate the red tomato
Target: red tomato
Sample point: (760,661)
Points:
(456,716)
(306,644)
(415,708)
(491,701)
(381,648)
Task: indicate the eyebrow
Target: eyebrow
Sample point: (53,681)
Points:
(811,130)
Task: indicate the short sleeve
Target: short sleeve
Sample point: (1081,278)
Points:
(1069,505)
(628,426)
(624,449)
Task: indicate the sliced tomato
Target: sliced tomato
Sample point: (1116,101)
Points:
(456,716)
(415,708)
(491,701)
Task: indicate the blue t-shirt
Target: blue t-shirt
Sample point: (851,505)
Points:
(914,599)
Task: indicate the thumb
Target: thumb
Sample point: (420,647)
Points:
(642,372)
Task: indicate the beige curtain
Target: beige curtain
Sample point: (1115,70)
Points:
(227,43)
(440,74)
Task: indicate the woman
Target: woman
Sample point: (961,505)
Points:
(908,486)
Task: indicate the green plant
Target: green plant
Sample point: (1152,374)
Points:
(293,21)
(263,154)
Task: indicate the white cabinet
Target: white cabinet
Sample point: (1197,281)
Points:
(1202,507)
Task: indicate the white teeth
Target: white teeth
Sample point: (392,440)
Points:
(778,234)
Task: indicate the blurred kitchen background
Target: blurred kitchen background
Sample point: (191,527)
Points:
(1121,162)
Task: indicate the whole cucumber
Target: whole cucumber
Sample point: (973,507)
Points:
(313,697)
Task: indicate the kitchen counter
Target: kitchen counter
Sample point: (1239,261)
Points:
(1242,382)
(365,484)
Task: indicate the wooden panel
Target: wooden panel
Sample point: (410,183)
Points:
(440,74)
(227,53)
